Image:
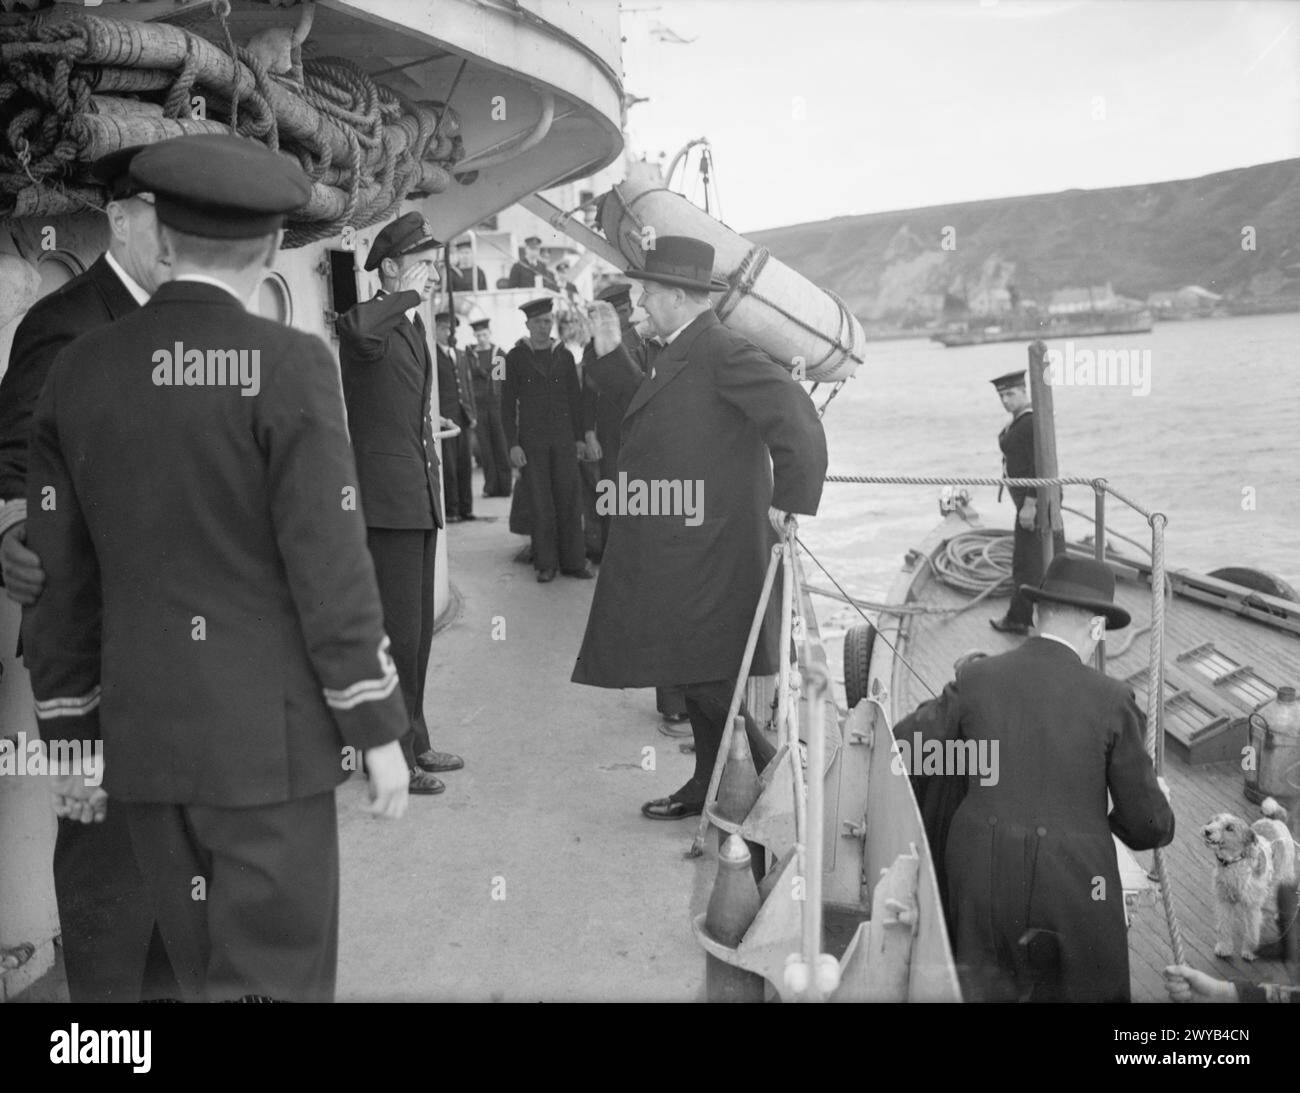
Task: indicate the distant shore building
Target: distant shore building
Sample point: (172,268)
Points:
(1076,301)
(1192,300)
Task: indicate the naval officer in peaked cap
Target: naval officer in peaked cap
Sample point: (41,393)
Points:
(111,948)
(191,483)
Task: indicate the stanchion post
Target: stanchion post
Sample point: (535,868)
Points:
(1099,552)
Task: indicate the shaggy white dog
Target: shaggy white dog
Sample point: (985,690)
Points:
(1251,860)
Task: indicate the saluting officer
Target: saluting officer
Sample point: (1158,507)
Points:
(541,403)
(1017,443)
(388,378)
(191,484)
(487,371)
(105,919)
(456,404)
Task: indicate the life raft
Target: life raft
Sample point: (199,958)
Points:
(809,330)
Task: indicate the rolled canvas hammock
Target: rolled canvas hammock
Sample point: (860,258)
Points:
(74,87)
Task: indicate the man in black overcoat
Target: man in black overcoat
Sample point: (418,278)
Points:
(105,920)
(677,593)
(1034,902)
(541,406)
(388,386)
(211,614)
(1017,443)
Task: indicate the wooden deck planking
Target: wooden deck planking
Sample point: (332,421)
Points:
(930,643)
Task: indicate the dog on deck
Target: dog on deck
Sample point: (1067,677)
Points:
(1251,861)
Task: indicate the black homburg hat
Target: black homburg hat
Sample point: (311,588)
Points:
(682,262)
(1080,582)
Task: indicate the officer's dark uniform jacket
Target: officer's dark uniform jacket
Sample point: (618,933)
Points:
(1017,443)
(455,387)
(541,406)
(524,274)
(91,299)
(482,362)
(242,643)
(388,381)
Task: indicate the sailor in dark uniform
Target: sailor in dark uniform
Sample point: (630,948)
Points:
(456,404)
(541,405)
(388,378)
(465,276)
(530,271)
(1017,443)
(487,364)
(192,486)
(105,919)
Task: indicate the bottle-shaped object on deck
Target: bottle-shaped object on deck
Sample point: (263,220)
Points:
(738,786)
(1275,738)
(733,906)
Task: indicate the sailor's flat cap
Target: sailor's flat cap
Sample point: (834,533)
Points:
(534,308)
(1011,379)
(533,241)
(220,186)
(408,234)
(618,293)
(480,324)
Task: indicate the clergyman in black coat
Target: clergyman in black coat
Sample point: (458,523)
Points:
(105,919)
(1034,900)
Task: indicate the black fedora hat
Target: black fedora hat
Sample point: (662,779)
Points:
(1080,582)
(680,261)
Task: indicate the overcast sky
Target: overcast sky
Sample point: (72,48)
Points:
(924,102)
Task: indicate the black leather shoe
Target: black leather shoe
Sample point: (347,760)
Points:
(424,783)
(438,761)
(469,516)
(583,574)
(544,575)
(1004,626)
(666,808)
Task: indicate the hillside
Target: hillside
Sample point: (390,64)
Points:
(893,268)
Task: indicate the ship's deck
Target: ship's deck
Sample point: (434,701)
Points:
(534,877)
(933,642)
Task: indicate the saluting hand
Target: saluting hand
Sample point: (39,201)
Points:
(414,278)
(517,458)
(389,780)
(24,577)
(606,334)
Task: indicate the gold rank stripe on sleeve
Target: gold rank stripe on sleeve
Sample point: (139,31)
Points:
(366,690)
(68,707)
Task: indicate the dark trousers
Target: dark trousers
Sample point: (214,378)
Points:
(1027,568)
(554,495)
(458,474)
(707,705)
(112,950)
(492,451)
(247,899)
(404,566)
(593,524)
(669,701)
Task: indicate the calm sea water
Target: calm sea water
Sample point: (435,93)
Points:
(1222,415)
